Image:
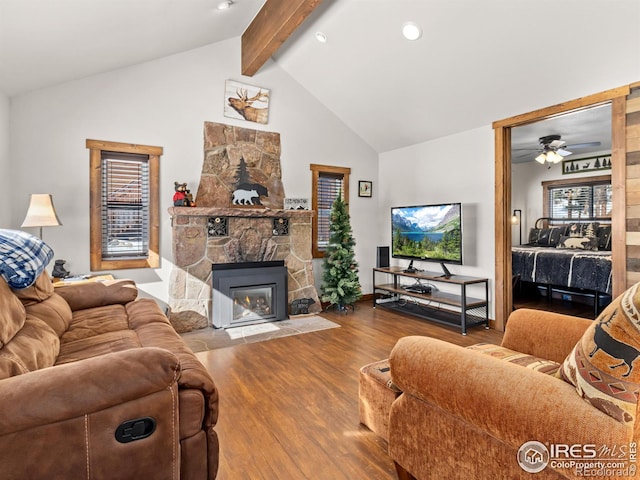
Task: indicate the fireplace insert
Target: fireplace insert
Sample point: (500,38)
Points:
(250,292)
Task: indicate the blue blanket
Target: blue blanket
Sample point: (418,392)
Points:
(23,257)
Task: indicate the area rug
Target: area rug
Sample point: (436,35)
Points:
(214,338)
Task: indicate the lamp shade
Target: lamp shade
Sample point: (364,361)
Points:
(41,212)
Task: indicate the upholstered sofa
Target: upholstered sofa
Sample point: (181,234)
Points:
(96,384)
(480,413)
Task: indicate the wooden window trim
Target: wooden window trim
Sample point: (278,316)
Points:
(96,147)
(316,171)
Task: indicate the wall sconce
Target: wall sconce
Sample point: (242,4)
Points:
(41,212)
(516,219)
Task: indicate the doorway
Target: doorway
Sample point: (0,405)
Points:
(554,165)
(503,189)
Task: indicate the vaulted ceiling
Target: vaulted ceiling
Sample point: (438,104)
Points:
(476,62)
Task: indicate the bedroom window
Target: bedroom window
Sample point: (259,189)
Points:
(583,198)
(327,183)
(124,214)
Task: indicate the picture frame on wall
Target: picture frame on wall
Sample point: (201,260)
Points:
(590,164)
(246,102)
(365,188)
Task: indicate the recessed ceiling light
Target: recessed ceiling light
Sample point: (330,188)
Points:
(225,5)
(321,37)
(411,31)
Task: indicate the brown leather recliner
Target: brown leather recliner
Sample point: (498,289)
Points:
(96,384)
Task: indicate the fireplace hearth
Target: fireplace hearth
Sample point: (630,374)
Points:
(248,293)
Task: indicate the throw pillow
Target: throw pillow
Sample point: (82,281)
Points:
(524,360)
(603,365)
(23,257)
(549,237)
(604,236)
(554,236)
(574,230)
(534,233)
(582,243)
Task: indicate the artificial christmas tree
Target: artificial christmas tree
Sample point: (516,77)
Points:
(340,282)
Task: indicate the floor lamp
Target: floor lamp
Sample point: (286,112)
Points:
(41,212)
(516,219)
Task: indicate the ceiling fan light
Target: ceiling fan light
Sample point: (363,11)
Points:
(553,157)
(541,158)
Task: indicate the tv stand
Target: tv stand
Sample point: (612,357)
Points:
(458,310)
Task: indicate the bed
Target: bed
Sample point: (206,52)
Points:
(565,254)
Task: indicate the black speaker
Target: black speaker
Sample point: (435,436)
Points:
(382,259)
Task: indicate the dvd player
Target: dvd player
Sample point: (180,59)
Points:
(417,288)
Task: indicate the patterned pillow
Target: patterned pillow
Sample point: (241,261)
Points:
(604,238)
(524,360)
(582,243)
(23,258)
(534,233)
(603,365)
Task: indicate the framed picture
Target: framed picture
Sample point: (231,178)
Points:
(246,102)
(590,164)
(364,188)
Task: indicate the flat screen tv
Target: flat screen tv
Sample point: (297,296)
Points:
(430,233)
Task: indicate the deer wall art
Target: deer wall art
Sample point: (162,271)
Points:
(241,102)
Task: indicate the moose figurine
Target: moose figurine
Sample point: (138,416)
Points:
(244,105)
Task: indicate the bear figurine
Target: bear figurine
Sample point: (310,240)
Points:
(182,197)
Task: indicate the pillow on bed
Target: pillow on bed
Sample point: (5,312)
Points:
(588,229)
(574,230)
(534,233)
(581,243)
(545,237)
(551,236)
(604,237)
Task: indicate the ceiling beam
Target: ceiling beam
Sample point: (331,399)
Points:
(272,26)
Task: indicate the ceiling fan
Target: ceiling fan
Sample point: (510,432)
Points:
(552,149)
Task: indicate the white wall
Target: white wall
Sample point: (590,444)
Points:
(458,168)
(165,103)
(5,174)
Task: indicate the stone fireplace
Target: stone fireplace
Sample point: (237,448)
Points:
(224,230)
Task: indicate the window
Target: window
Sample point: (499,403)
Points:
(327,183)
(124,205)
(589,197)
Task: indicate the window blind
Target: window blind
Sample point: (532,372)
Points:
(125,205)
(330,185)
(580,201)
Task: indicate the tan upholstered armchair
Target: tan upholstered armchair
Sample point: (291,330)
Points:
(466,414)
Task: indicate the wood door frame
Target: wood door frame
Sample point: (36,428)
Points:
(502,132)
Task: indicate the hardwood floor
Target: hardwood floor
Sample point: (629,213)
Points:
(289,406)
